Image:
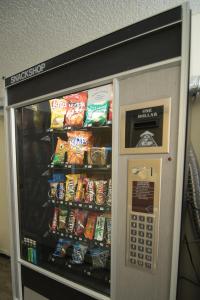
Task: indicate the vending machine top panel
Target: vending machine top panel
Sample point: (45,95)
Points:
(117,52)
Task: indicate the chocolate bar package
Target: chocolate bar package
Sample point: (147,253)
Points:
(71,186)
(101,191)
(90,226)
(89,190)
(81,219)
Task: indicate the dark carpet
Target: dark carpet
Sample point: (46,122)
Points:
(5,278)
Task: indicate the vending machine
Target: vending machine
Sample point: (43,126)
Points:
(96,148)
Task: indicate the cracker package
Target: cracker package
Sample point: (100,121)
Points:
(61,149)
(75,110)
(97,156)
(58,110)
(79,142)
(70,186)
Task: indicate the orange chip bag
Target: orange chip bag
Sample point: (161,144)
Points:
(75,109)
(78,143)
(58,110)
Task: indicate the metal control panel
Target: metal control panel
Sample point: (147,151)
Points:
(143,212)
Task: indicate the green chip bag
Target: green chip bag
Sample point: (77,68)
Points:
(96,114)
(59,155)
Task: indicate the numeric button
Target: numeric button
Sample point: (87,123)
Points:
(148,243)
(149,235)
(134,217)
(149,227)
(141,226)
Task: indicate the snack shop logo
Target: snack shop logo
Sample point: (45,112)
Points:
(28,73)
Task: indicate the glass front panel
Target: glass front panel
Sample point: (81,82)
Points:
(64,152)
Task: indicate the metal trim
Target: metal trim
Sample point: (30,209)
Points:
(12,199)
(180,149)
(115,155)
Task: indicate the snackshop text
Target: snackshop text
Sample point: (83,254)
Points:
(28,73)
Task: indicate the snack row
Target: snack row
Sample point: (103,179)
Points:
(79,252)
(88,108)
(79,188)
(79,148)
(81,223)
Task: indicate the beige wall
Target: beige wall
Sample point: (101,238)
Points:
(4,222)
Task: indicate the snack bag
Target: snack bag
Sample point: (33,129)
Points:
(110,112)
(79,141)
(96,114)
(89,190)
(79,251)
(109,195)
(58,110)
(100,228)
(97,156)
(81,218)
(55,219)
(61,247)
(99,257)
(54,182)
(62,219)
(61,148)
(80,190)
(101,191)
(108,230)
(90,226)
(100,94)
(97,107)
(71,221)
(71,184)
(75,110)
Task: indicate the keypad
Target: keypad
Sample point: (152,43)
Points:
(141,240)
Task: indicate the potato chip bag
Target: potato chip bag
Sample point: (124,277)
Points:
(79,142)
(75,109)
(96,114)
(58,110)
(59,155)
(70,187)
(99,99)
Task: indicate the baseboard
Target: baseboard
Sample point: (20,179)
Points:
(4,254)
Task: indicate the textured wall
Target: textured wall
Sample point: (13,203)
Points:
(35,30)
